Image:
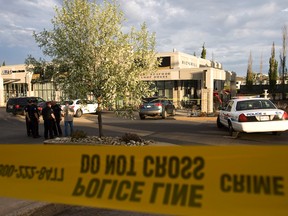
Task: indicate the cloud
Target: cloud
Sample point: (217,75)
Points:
(230,29)
(18,20)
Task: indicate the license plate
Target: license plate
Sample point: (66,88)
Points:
(148,106)
(264,118)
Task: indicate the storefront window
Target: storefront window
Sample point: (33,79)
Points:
(44,90)
(14,90)
(165,88)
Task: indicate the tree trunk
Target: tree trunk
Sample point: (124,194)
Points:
(99,112)
(100,124)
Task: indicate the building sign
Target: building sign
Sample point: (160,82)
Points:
(6,72)
(161,75)
(9,71)
(189,64)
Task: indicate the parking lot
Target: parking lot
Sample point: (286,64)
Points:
(177,130)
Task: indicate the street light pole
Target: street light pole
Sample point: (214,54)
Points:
(53,85)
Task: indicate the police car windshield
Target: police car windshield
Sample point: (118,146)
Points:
(254,104)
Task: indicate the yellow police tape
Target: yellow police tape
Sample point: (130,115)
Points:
(238,180)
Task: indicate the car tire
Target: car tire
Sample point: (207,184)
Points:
(79,113)
(230,129)
(173,112)
(142,117)
(164,114)
(219,124)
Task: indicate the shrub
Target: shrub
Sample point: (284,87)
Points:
(127,137)
(78,134)
(203,114)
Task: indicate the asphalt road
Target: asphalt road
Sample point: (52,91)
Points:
(179,130)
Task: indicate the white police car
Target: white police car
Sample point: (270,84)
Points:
(252,115)
(81,106)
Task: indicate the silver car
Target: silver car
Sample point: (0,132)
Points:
(156,106)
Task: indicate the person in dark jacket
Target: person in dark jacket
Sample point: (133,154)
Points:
(49,118)
(57,113)
(27,119)
(33,118)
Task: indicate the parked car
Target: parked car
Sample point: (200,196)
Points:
(252,115)
(156,106)
(16,105)
(81,106)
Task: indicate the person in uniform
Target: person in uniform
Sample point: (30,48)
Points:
(57,113)
(49,118)
(27,119)
(34,119)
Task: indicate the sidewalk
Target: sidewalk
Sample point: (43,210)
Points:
(185,115)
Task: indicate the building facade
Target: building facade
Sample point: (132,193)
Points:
(17,81)
(181,77)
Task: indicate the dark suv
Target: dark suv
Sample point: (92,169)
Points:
(156,106)
(17,105)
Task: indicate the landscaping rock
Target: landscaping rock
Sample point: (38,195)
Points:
(95,140)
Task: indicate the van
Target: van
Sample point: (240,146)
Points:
(16,105)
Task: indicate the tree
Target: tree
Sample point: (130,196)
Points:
(261,70)
(249,77)
(102,60)
(41,67)
(283,55)
(203,53)
(273,70)
(3,64)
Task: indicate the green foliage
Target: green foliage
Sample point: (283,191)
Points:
(78,134)
(3,64)
(283,58)
(34,65)
(127,137)
(102,59)
(273,69)
(249,77)
(203,53)
(42,67)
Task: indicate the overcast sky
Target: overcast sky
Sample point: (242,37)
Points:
(230,29)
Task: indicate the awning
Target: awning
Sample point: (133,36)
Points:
(8,81)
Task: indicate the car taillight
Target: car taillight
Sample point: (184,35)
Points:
(158,104)
(242,118)
(141,106)
(285,116)
(39,108)
(17,106)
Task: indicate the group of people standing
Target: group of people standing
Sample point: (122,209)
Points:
(52,115)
